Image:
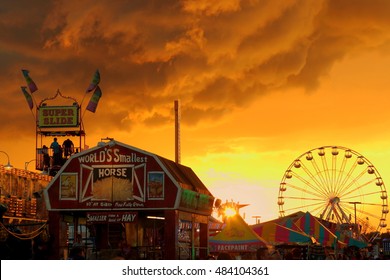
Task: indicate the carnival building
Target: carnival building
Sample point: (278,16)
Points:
(122,200)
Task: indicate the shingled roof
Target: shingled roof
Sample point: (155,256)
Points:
(185,176)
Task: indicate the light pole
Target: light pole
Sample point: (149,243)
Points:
(8,165)
(27,163)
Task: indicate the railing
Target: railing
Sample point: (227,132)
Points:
(45,160)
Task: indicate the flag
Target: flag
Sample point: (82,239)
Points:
(95,81)
(30,83)
(28,97)
(93,102)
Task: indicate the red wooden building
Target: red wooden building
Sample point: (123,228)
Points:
(115,194)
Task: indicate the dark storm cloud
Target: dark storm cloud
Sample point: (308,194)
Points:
(215,56)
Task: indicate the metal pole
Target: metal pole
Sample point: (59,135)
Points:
(177,132)
(193,238)
(27,163)
(7,166)
(354,207)
(257,219)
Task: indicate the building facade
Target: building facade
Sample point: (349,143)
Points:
(116,196)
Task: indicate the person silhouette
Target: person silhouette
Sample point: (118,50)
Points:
(68,147)
(57,153)
(46,158)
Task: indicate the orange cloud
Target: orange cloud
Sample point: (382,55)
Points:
(216,56)
(241,69)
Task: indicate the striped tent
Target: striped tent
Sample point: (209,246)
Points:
(236,236)
(311,226)
(277,234)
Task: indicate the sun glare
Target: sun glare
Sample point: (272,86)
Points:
(229,212)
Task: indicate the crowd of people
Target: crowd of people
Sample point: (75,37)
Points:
(302,253)
(59,153)
(125,252)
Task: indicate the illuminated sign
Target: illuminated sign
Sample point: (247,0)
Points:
(58,116)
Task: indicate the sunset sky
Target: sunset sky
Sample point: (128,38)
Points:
(260,81)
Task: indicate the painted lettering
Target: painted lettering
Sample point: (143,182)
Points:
(128,217)
(57,112)
(112,155)
(102,156)
(116,155)
(107,172)
(96,218)
(58,120)
(109,156)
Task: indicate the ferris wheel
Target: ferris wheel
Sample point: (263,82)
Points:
(338,185)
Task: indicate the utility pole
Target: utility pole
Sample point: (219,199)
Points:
(257,219)
(177,132)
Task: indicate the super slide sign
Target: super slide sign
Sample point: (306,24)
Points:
(58,116)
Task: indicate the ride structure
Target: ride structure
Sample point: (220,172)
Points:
(53,120)
(337,185)
(59,116)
